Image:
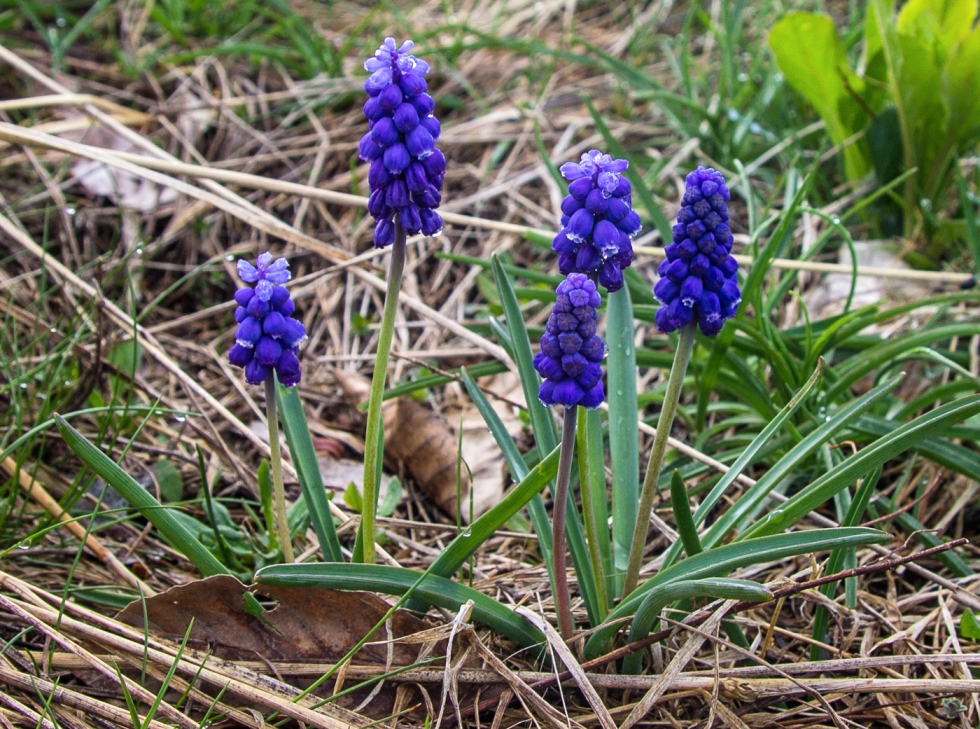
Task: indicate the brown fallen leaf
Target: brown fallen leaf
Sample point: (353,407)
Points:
(305,624)
(422,442)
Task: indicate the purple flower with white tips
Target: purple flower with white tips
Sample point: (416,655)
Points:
(406,172)
(699,279)
(267,338)
(570,349)
(597,223)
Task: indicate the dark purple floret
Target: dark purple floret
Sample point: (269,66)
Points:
(597,223)
(407,170)
(267,338)
(570,350)
(699,279)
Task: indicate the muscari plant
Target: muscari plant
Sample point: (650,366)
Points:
(790,426)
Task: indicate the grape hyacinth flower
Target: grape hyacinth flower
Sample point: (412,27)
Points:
(267,341)
(570,349)
(698,289)
(569,366)
(698,278)
(268,338)
(406,170)
(597,223)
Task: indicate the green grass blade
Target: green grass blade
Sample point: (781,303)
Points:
(712,588)
(681,505)
(308,471)
(721,561)
(592,479)
(141,500)
(776,425)
(433,589)
(624,435)
(901,439)
(464,545)
(791,461)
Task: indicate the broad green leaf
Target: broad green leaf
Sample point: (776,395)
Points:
(723,560)
(848,471)
(939,23)
(433,590)
(814,62)
(960,90)
(969,627)
(151,509)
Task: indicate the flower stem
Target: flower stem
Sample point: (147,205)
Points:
(562,601)
(682,357)
(278,491)
(374,423)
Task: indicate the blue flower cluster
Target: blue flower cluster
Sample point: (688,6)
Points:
(570,349)
(268,337)
(406,170)
(597,223)
(698,278)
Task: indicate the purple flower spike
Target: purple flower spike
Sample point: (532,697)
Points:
(267,338)
(699,278)
(570,350)
(598,223)
(406,167)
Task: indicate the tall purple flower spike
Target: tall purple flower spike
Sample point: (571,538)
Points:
(570,349)
(597,223)
(699,279)
(268,338)
(406,170)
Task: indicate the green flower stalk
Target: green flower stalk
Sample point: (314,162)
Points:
(698,288)
(405,178)
(267,346)
(569,365)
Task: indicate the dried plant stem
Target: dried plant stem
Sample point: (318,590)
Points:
(278,491)
(372,439)
(562,602)
(675,381)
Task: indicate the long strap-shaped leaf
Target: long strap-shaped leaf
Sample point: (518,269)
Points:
(901,439)
(746,457)
(308,471)
(141,500)
(785,465)
(397,581)
(721,561)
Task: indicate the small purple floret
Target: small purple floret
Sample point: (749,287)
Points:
(598,223)
(570,350)
(406,172)
(267,338)
(699,277)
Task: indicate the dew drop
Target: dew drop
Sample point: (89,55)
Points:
(835,220)
(23,546)
(743,77)
(468,533)
(69,211)
(179,418)
(229,257)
